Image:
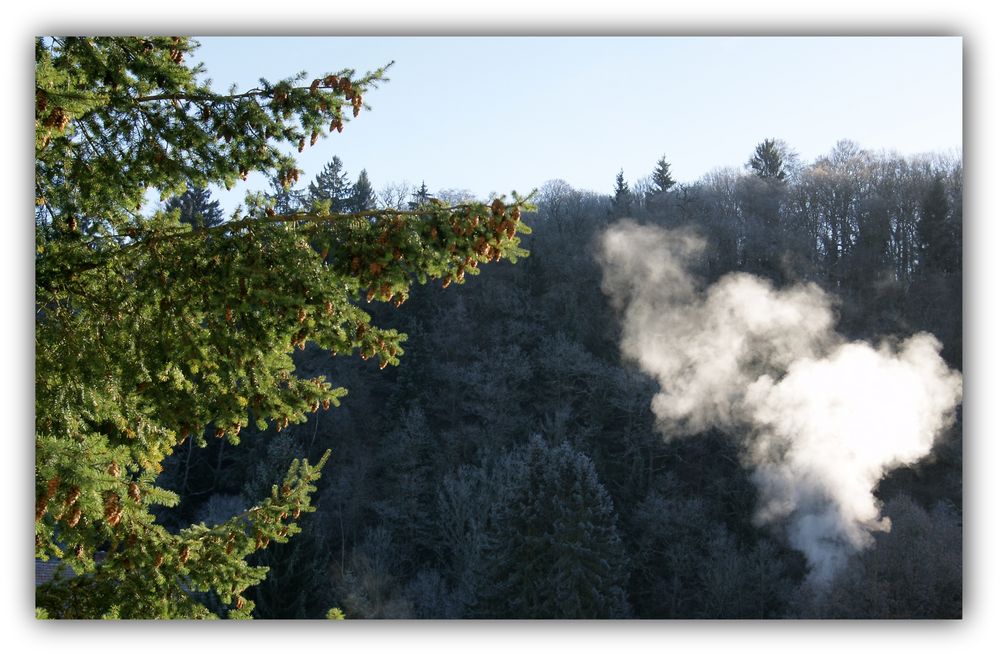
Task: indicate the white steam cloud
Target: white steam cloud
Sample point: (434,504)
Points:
(821,420)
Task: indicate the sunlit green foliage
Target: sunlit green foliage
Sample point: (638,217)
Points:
(150,331)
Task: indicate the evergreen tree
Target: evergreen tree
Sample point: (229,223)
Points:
(291,590)
(150,332)
(621,202)
(197,208)
(939,238)
(408,483)
(331,185)
(555,550)
(661,179)
(936,287)
(420,197)
(767,161)
(284,198)
(362,195)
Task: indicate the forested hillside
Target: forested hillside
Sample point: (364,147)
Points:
(513,466)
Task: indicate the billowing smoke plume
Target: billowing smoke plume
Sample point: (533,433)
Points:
(821,420)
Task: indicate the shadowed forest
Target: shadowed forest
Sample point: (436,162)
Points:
(512,466)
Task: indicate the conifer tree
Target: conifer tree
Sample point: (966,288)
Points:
(150,332)
(362,195)
(284,198)
(767,161)
(420,197)
(661,179)
(939,241)
(621,202)
(331,184)
(196,208)
(554,548)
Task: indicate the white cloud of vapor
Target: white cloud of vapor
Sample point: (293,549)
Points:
(821,420)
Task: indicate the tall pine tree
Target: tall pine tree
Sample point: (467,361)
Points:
(768,162)
(939,237)
(362,195)
(554,549)
(197,208)
(621,201)
(331,185)
(661,179)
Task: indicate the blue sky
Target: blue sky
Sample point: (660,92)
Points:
(492,114)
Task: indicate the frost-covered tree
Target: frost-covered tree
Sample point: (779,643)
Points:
(554,549)
(913,571)
(407,483)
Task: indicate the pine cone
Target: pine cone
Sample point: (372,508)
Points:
(112,508)
(74,494)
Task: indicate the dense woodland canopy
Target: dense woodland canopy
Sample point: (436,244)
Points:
(511,466)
